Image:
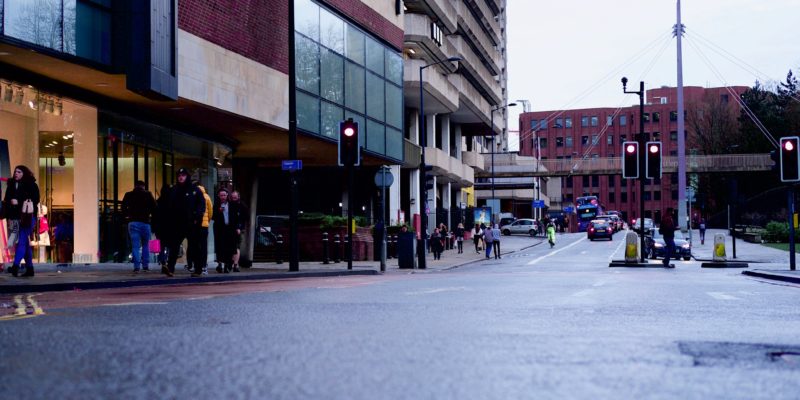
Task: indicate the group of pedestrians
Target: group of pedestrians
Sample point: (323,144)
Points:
(184,211)
(487,239)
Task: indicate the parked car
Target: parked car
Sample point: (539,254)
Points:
(521,226)
(648,225)
(655,247)
(600,228)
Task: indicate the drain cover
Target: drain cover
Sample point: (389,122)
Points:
(754,355)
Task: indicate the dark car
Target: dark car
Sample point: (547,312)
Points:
(654,244)
(600,228)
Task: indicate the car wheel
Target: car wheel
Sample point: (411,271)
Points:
(652,254)
(507,232)
(532,232)
(591,239)
(610,238)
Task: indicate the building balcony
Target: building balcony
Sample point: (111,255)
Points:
(449,169)
(472,28)
(473,65)
(441,96)
(486,18)
(473,108)
(412,154)
(443,10)
(418,39)
(473,159)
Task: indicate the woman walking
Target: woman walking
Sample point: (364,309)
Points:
(21,202)
(476,237)
(460,237)
(436,244)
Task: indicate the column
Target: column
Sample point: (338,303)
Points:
(86,217)
(459,142)
(445,133)
(393,200)
(447,191)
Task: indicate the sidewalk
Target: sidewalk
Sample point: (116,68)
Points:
(59,277)
(765,262)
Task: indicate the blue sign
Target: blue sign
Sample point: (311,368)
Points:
(538,204)
(292,165)
(569,210)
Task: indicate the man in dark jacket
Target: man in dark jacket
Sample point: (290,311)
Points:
(138,206)
(181,217)
(667,230)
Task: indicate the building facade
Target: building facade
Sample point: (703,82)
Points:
(464,118)
(95,94)
(579,134)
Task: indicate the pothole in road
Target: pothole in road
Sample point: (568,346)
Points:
(726,354)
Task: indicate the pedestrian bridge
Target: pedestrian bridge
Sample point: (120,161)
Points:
(513,166)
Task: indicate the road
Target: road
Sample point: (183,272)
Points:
(542,323)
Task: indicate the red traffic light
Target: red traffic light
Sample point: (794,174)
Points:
(630,148)
(788,145)
(349,131)
(654,148)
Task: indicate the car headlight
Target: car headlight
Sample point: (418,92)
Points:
(658,245)
(685,246)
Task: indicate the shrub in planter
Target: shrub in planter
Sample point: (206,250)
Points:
(777,232)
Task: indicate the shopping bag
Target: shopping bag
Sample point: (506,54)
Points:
(154,246)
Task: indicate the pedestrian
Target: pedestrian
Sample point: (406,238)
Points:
(496,242)
(476,238)
(702,231)
(483,236)
(566,224)
(225,225)
(551,234)
(200,267)
(436,244)
(21,207)
(445,236)
(138,206)
(243,216)
(181,218)
(460,238)
(667,231)
(488,237)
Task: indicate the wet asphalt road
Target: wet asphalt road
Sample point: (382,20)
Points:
(539,324)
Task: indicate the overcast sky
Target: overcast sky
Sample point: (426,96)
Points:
(566,54)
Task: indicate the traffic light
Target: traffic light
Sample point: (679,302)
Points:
(630,160)
(349,150)
(428,177)
(790,159)
(653,163)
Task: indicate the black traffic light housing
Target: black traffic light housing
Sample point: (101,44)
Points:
(428,177)
(349,150)
(790,159)
(630,160)
(653,160)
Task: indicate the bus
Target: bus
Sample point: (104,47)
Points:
(587,209)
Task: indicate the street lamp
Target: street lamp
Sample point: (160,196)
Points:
(491,137)
(642,141)
(422,180)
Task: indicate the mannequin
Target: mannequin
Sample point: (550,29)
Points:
(44,233)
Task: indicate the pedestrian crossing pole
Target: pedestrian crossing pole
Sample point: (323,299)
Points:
(792,219)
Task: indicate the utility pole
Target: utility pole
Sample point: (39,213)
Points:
(683,215)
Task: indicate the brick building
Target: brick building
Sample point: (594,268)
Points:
(599,133)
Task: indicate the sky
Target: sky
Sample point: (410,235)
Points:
(569,54)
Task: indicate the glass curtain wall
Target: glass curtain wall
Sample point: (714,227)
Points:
(343,72)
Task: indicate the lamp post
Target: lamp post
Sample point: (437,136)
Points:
(423,212)
(491,136)
(642,140)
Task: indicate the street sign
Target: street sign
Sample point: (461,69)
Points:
(538,204)
(292,165)
(569,209)
(462,205)
(384,178)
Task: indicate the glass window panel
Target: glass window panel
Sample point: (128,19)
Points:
(39,22)
(354,91)
(332,115)
(355,44)
(376,140)
(331,31)
(307,64)
(91,36)
(374,56)
(307,112)
(362,124)
(394,143)
(394,105)
(332,76)
(375,97)
(568,122)
(394,67)
(306,18)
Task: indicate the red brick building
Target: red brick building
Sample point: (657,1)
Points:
(599,132)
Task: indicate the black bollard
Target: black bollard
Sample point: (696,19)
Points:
(325,248)
(336,246)
(279,250)
(347,255)
(389,246)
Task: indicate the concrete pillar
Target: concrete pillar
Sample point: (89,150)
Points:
(459,141)
(393,200)
(432,205)
(413,123)
(430,130)
(447,190)
(245,176)
(445,133)
(415,195)
(85,152)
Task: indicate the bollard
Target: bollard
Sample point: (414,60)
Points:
(336,247)
(719,248)
(393,246)
(631,247)
(325,248)
(347,255)
(279,250)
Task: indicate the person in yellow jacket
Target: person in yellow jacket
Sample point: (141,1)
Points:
(199,261)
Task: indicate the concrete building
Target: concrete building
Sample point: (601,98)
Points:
(599,133)
(459,99)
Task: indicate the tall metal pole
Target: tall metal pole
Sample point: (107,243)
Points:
(683,215)
(350,189)
(791,228)
(383,218)
(642,150)
(294,248)
(491,138)
(424,206)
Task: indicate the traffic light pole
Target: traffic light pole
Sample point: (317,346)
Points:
(642,143)
(423,208)
(350,195)
(792,265)
(294,246)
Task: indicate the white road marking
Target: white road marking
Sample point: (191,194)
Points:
(439,290)
(583,293)
(555,251)
(722,296)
